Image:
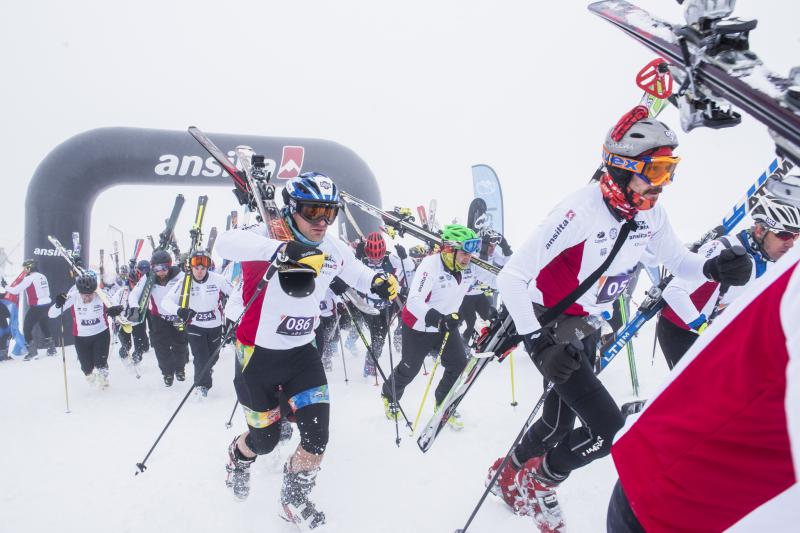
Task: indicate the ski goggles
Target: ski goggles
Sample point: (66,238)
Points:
(655,170)
(200,260)
(159,268)
(470,246)
(314,212)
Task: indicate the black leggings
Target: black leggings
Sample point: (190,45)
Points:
(674,340)
(171,346)
(36,315)
(378,328)
(93,351)
(620,517)
(298,374)
(417,345)
(204,342)
(325,336)
(473,306)
(584,396)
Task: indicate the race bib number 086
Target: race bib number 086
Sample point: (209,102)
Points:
(295,326)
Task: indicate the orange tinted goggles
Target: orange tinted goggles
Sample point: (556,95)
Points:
(315,212)
(200,260)
(657,170)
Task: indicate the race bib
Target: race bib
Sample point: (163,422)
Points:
(90,322)
(205,316)
(295,326)
(611,287)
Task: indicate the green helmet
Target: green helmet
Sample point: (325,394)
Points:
(460,238)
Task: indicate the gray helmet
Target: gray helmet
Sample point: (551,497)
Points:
(86,283)
(776,215)
(643,136)
(161,257)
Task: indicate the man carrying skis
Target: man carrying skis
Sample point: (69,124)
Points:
(431,315)
(570,246)
(171,345)
(693,304)
(203,315)
(89,325)
(275,337)
(37,290)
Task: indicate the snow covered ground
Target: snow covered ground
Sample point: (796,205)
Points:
(75,472)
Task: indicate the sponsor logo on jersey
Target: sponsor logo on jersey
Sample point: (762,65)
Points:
(612,233)
(422,281)
(291,162)
(564,223)
(194,165)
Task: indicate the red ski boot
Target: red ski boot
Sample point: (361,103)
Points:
(539,491)
(506,488)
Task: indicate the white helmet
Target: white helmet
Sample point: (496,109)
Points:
(776,215)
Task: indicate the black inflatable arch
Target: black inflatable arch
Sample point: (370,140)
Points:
(69,179)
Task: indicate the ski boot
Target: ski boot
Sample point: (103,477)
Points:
(4,354)
(454,422)
(369,367)
(51,346)
(297,508)
(180,374)
(538,487)
(390,408)
(91,378)
(168,379)
(201,392)
(286,430)
(506,487)
(123,354)
(238,468)
(33,352)
(136,357)
(102,378)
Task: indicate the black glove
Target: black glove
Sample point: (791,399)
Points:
(401,252)
(338,286)
(450,323)
(505,247)
(78,260)
(114,310)
(3,283)
(558,362)
(300,254)
(433,318)
(731,267)
(186,314)
(385,286)
(61,299)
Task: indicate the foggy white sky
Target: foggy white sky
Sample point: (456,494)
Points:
(420,90)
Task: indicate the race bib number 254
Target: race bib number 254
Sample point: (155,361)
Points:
(296,326)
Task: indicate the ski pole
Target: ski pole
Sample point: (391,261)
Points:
(513,394)
(369,351)
(341,346)
(229,423)
(64,364)
(629,347)
(141,466)
(507,457)
(394,385)
(430,380)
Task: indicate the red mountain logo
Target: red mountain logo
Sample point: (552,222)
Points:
(291,162)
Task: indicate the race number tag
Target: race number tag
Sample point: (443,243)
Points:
(90,321)
(611,287)
(201,317)
(295,326)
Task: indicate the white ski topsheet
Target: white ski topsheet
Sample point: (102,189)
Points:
(75,472)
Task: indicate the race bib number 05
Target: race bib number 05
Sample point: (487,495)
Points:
(295,326)
(611,287)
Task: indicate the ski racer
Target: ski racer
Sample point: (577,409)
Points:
(275,338)
(11,302)
(478,300)
(89,326)
(693,304)
(171,345)
(203,315)
(569,246)
(37,290)
(439,286)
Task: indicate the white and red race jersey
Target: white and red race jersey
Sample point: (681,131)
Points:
(35,287)
(205,299)
(718,447)
(276,320)
(572,242)
(498,259)
(87,319)
(157,293)
(436,287)
(687,299)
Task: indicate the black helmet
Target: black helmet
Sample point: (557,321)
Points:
(161,257)
(143,267)
(86,283)
(30,265)
(200,258)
